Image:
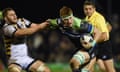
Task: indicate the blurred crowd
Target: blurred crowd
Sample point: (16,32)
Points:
(115,39)
(50,46)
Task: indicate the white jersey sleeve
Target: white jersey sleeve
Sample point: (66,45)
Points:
(9,30)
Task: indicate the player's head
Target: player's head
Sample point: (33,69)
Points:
(9,15)
(66,15)
(89,8)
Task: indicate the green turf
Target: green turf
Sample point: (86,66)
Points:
(61,67)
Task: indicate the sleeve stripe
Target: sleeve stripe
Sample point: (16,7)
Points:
(90,28)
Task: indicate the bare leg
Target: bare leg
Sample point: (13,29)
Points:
(39,66)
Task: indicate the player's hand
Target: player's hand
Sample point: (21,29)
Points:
(48,20)
(52,21)
(44,24)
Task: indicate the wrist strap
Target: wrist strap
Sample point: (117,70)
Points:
(93,43)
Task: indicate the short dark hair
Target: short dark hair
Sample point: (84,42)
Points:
(6,10)
(87,2)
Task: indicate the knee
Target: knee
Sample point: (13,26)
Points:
(13,69)
(102,69)
(79,59)
(41,68)
(74,64)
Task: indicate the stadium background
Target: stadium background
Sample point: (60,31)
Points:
(53,51)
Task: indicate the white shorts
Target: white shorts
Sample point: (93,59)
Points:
(20,56)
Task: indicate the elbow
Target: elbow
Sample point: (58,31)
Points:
(110,29)
(104,36)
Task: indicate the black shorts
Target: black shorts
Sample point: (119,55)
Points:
(104,50)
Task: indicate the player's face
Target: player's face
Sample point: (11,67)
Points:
(11,16)
(68,22)
(89,10)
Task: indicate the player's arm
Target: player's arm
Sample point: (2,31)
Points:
(32,29)
(96,34)
(88,28)
(109,26)
(103,28)
(54,23)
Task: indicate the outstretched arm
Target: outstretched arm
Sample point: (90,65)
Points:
(32,29)
(97,34)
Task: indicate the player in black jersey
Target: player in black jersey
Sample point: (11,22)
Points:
(75,28)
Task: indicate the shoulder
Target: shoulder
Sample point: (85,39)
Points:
(77,20)
(99,15)
(9,30)
(9,27)
(24,21)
